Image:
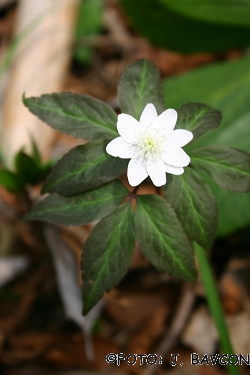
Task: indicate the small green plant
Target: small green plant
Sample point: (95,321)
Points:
(29,170)
(84,185)
(180,219)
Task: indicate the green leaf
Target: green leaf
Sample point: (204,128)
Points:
(233,214)
(44,171)
(215,306)
(80,116)
(231,12)
(162,238)
(89,22)
(84,168)
(80,209)
(139,85)
(26,167)
(200,119)
(36,154)
(10,181)
(167,28)
(107,254)
(225,86)
(226,166)
(194,204)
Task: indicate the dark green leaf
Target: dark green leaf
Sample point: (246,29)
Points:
(77,115)
(44,170)
(139,85)
(225,86)
(107,254)
(167,28)
(84,168)
(226,166)
(198,118)
(36,154)
(10,181)
(231,12)
(26,168)
(80,209)
(162,238)
(194,204)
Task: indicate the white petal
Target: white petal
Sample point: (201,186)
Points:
(173,170)
(156,172)
(180,137)
(166,121)
(148,116)
(127,127)
(122,149)
(175,156)
(137,171)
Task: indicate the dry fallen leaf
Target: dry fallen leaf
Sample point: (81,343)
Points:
(200,332)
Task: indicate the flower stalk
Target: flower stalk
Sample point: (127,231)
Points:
(215,306)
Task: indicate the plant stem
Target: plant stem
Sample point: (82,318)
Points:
(215,306)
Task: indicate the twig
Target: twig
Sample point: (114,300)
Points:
(185,305)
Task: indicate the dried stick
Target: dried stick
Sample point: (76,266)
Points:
(185,305)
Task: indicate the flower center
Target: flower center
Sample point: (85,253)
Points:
(150,146)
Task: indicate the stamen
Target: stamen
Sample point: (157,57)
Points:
(150,145)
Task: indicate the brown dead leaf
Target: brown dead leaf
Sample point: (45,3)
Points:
(239,330)
(200,332)
(17,316)
(144,340)
(70,353)
(60,350)
(234,286)
(13,316)
(132,309)
(9,198)
(28,346)
(231,294)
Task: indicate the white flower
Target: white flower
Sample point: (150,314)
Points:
(152,144)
